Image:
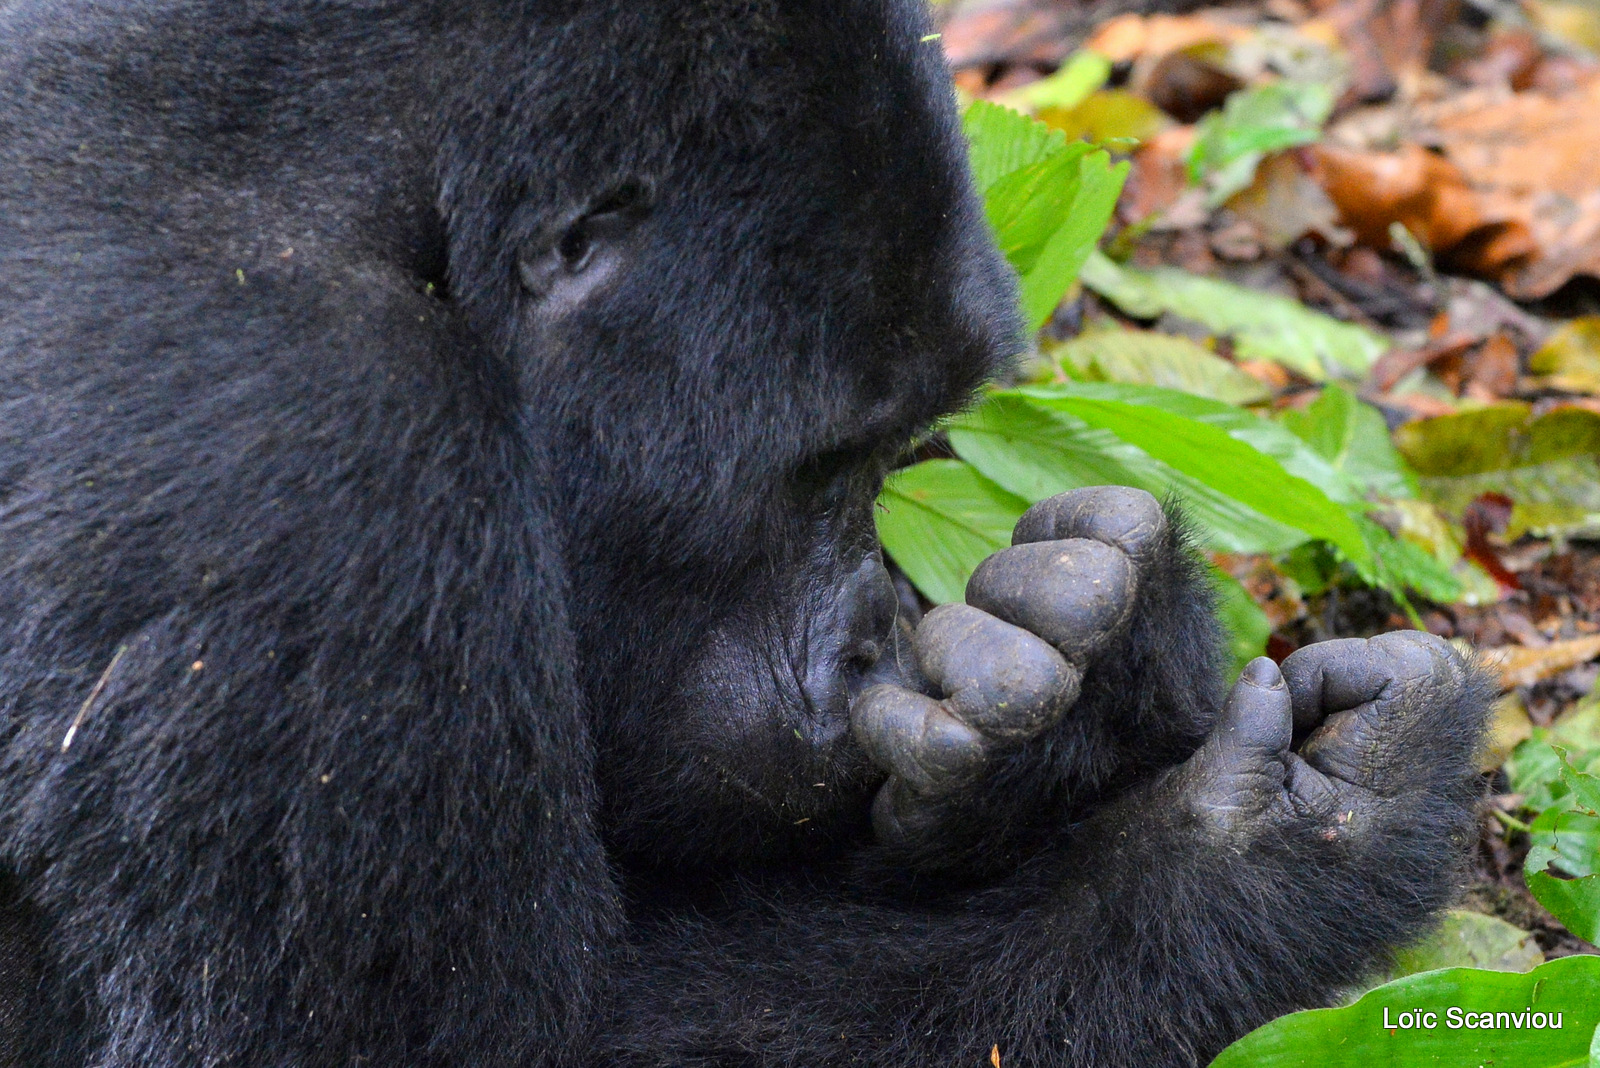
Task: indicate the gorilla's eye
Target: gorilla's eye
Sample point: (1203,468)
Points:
(576,247)
(588,244)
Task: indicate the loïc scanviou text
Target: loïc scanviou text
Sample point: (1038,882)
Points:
(1456,1018)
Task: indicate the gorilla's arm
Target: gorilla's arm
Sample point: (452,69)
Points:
(1246,882)
(1087,656)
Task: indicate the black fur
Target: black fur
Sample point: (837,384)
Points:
(437,448)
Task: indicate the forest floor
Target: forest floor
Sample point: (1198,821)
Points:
(1439,190)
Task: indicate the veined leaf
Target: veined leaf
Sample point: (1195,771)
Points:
(1351,435)
(1370,1032)
(1263,326)
(1036,453)
(940,519)
(1210,455)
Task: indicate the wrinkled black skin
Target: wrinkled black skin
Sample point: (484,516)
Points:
(437,451)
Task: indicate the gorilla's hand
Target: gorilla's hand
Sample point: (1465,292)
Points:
(1009,663)
(1392,721)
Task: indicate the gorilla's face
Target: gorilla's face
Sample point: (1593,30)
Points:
(754,340)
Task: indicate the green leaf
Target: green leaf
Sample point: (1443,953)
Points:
(1247,625)
(1567,836)
(1082,73)
(1144,357)
(1003,142)
(939,519)
(1466,939)
(1208,454)
(1352,435)
(1047,200)
(1534,767)
(1399,565)
(1263,326)
(1230,143)
(1036,453)
(1362,1036)
(1297,458)
(1575,902)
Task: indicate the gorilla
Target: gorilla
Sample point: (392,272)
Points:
(441,622)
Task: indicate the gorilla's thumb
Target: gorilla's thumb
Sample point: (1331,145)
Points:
(1257,720)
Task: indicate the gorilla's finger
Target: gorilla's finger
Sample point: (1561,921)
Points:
(1130,519)
(998,678)
(1074,594)
(1238,774)
(1336,676)
(916,739)
(1256,724)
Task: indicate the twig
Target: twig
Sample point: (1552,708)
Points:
(83,710)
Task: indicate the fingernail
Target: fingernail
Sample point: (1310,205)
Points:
(1262,672)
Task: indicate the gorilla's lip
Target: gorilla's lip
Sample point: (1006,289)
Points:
(827,702)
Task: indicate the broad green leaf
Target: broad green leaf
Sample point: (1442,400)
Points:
(1078,224)
(1575,902)
(939,519)
(1247,625)
(1004,141)
(1534,768)
(1082,74)
(1352,436)
(1399,565)
(1049,209)
(1369,1033)
(1144,357)
(1263,326)
(1387,562)
(1569,839)
(1263,435)
(1209,454)
(1036,453)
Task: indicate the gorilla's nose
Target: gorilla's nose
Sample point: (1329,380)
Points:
(867,613)
(853,645)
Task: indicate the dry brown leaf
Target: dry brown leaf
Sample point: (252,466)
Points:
(1509,726)
(1530,157)
(1520,666)
(1131,37)
(1015,31)
(1158,182)
(1418,189)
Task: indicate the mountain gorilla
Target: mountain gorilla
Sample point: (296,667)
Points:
(440,617)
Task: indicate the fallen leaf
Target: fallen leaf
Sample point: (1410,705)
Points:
(1190,82)
(1530,158)
(1520,666)
(1570,358)
(1429,196)
(1010,32)
(1286,204)
(1130,37)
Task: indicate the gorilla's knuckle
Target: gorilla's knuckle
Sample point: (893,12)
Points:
(1072,593)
